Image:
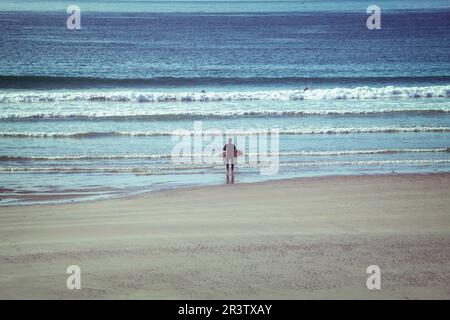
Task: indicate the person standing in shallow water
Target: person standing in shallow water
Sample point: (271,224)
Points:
(230,153)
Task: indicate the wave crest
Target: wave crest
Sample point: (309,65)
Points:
(280,95)
(168,155)
(116,116)
(294,131)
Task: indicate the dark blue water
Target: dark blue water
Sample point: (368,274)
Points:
(283,48)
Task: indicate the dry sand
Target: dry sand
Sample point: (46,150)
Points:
(304,238)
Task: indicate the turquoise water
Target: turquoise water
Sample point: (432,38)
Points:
(236,6)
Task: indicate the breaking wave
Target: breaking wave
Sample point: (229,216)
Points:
(168,155)
(168,169)
(441,91)
(116,116)
(184,132)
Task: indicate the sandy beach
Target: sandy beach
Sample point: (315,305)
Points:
(307,238)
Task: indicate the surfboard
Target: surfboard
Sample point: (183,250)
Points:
(238,154)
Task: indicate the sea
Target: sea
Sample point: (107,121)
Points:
(103,111)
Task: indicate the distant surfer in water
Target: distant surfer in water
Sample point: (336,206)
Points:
(203,91)
(306,89)
(230,152)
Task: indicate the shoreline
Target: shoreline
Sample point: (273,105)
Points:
(302,238)
(138,194)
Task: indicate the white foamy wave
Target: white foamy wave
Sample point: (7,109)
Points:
(369,162)
(200,155)
(293,131)
(168,169)
(187,169)
(313,94)
(359,152)
(216,114)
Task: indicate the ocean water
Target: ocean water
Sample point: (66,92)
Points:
(98,112)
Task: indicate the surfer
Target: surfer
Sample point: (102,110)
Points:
(230,152)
